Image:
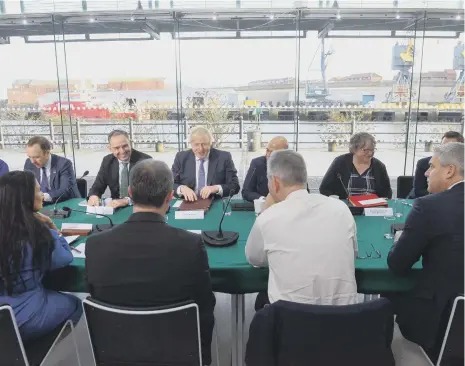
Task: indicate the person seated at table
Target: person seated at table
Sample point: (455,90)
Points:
(357,172)
(54,173)
(3,168)
(420,184)
(256,182)
(152,263)
(308,241)
(204,171)
(114,171)
(434,232)
(30,246)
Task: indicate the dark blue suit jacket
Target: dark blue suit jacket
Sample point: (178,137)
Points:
(221,171)
(433,231)
(62,178)
(256,181)
(420,185)
(3,168)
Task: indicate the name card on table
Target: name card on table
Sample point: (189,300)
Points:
(379,211)
(189,215)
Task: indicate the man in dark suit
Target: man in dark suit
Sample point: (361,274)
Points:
(256,181)
(162,265)
(114,171)
(54,173)
(420,186)
(433,231)
(204,171)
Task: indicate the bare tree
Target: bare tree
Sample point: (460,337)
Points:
(210,109)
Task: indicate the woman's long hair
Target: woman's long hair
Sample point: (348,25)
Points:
(19,227)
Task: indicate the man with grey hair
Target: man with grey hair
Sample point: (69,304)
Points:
(308,241)
(145,262)
(434,232)
(203,171)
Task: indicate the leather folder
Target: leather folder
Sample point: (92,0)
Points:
(200,204)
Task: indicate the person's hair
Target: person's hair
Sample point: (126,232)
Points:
(151,181)
(289,166)
(453,135)
(43,143)
(20,228)
(451,154)
(359,140)
(117,133)
(202,131)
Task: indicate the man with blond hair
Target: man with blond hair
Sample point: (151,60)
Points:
(203,171)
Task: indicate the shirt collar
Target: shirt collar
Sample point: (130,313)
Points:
(453,185)
(298,194)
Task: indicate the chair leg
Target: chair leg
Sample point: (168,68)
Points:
(73,334)
(56,341)
(215,329)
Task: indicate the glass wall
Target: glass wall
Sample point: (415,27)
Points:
(248,70)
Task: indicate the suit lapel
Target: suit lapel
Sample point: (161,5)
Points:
(212,163)
(191,170)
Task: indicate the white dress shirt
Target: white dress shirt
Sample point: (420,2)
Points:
(205,168)
(48,170)
(309,242)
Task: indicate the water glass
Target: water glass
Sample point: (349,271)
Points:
(388,221)
(398,208)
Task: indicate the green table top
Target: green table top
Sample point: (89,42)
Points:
(230,271)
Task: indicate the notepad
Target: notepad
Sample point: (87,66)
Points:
(177,204)
(82,249)
(374,201)
(72,238)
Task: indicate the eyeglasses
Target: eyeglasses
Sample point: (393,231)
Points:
(370,255)
(369,150)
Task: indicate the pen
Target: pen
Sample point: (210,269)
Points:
(76,250)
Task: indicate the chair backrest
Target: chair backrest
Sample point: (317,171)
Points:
(82,187)
(452,346)
(404,186)
(12,351)
(148,336)
(302,334)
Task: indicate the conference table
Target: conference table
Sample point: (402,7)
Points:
(230,271)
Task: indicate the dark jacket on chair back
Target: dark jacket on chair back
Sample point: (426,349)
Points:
(256,181)
(145,262)
(434,232)
(108,174)
(343,165)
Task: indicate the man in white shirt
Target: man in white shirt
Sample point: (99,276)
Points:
(308,241)
(204,171)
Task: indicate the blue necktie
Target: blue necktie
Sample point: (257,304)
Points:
(201,176)
(44,181)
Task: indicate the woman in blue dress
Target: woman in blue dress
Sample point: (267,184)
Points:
(30,245)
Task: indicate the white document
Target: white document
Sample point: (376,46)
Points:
(69,226)
(95,210)
(83,203)
(177,203)
(379,211)
(71,238)
(189,215)
(80,251)
(374,201)
(196,231)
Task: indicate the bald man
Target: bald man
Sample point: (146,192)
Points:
(256,181)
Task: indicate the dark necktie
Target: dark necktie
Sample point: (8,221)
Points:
(123,187)
(201,176)
(44,181)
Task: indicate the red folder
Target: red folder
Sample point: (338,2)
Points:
(355,201)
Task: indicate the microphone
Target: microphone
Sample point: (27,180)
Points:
(95,227)
(343,186)
(221,238)
(61,214)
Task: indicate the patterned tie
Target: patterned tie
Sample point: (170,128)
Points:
(201,176)
(123,188)
(44,181)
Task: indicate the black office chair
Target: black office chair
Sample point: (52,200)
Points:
(82,187)
(452,348)
(149,336)
(286,333)
(404,186)
(13,352)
